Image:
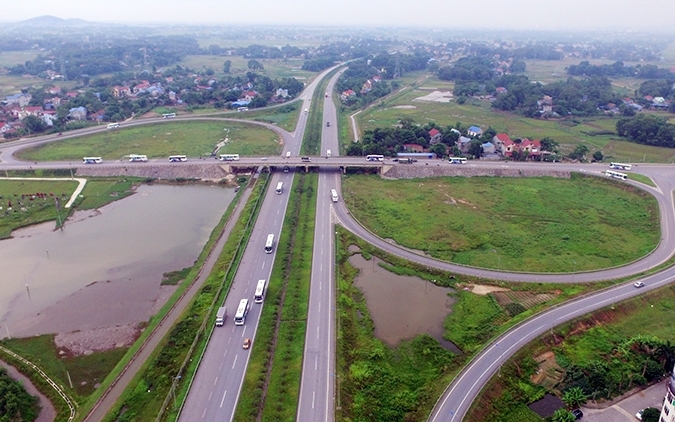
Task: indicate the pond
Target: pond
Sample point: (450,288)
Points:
(105,267)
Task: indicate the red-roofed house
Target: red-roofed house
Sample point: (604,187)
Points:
(503,143)
(138,88)
(533,148)
(347,95)
(435,136)
(120,91)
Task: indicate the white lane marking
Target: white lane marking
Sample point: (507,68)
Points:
(203,413)
(319,308)
(317,332)
(215,381)
(235,362)
(261,267)
(243,331)
(210,394)
(316,362)
(313,396)
(223,399)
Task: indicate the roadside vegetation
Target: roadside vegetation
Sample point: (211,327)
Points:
(177,356)
(194,139)
(518,224)
(15,402)
(597,357)
(377,382)
(272,382)
(285,116)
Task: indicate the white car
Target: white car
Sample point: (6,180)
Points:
(639,284)
(639,414)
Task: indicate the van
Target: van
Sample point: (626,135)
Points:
(306,111)
(288,154)
(328,153)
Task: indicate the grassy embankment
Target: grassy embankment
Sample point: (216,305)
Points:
(404,382)
(518,224)
(272,381)
(598,337)
(178,353)
(598,133)
(160,140)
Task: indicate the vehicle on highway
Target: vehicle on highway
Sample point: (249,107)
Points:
(327,123)
(228,157)
(177,158)
(247,343)
(306,159)
(286,169)
(220,316)
(259,295)
(326,95)
(638,284)
(306,111)
(269,244)
(620,166)
(168,115)
(136,158)
(578,414)
(616,175)
(92,160)
(242,109)
(457,160)
(374,157)
(242,310)
(280,188)
(334,195)
(113,125)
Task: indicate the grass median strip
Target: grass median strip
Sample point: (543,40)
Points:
(272,381)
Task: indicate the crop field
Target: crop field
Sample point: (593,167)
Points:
(193,139)
(520,224)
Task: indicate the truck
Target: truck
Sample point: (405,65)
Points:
(220,316)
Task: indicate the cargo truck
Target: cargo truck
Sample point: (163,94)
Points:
(220,316)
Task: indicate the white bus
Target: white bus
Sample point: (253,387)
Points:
(113,125)
(269,245)
(135,158)
(333,195)
(242,310)
(168,115)
(259,292)
(177,158)
(280,188)
(616,175)
(374,157)
(92,160)
(620,166)
(229,157)
(457,160)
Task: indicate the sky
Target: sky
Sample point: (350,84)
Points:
(638,15)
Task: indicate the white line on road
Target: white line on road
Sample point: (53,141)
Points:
(203,413)
(313,396)
(316,362)
(223,399)
(215,381)
(317,332)
(221,363)
(235,361)
(210,394)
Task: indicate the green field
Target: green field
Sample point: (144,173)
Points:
(161,140)
(520,224)
(274,68)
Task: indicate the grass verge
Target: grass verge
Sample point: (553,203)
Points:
(311,142)
(272,381)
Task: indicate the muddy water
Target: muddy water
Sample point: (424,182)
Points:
(402,307)
(104,268)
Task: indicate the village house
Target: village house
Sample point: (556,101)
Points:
(20,99)
(435,136)
(77,113)
(367,87)
(119,91)
(474,131)
(463,143)
(348,94)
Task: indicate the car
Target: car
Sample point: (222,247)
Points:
(286,168)
(264,159)
(326,95)
(247,343)
(639,414)
(327,123)
(578,414)
(638,284)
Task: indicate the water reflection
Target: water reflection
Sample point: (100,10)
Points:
(402,307)
(105,270)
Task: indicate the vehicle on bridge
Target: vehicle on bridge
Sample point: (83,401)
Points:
(334,195)
(242,310)
(229,157)
(135,158)
(328,153)
(457,160)
(374,157)
(92,160)
(220,316)
(288,154)
(177,158)
(620,166)
(259,295)
(616,175)
(113,125)
(269,244)
(306,159)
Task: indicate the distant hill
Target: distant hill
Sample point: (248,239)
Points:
(52,21)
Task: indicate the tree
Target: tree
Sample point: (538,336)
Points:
(227,65)
(439,149)
(563,415)
(476,148)
(579,152)
(548,144)
(34,124)
(255,65)
(574,397)
(650,414)
(597,156)
(665,353)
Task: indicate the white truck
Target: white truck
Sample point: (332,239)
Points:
(220,316)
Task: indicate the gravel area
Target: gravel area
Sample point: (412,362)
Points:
(86,342)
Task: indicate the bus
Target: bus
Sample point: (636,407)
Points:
(269,245)
(113,125)
(135,158)
(242,310)
(457,160)
(92,160)
(280,188)
(259,292)
(620,166)
(333,195)
(616,175)
(177,158)
(229,157)
(168,115)
(374,157)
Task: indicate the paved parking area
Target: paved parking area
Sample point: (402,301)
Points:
(625,410)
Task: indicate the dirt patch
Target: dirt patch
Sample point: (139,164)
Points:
(406,107)
(549,373)
(484,290)
(527,299)
(437,97)
(86,342)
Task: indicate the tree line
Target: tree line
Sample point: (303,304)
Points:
(619,70)
(15,402)
(647,129)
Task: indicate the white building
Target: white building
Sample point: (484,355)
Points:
(668,410)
